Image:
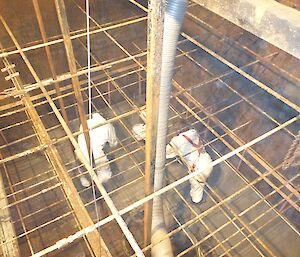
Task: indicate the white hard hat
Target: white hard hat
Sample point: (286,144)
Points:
(94,121)
(139,131)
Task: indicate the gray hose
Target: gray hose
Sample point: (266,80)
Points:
(172,25)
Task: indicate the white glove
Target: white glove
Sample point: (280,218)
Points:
(104,175)
(84,181)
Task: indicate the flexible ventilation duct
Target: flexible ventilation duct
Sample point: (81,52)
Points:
(173,20)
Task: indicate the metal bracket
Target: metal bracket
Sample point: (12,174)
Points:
(11,76)
(11,66)
(13,92)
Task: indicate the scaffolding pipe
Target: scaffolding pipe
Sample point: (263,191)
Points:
(173,20)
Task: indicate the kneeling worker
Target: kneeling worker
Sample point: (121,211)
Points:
(99,137)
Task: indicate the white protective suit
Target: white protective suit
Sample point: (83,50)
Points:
(99,137)
(187,146)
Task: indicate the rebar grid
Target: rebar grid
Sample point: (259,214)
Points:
(81,165)
(18,83)
(192,112)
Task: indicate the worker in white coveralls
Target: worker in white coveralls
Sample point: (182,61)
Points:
(188,146)
(99,137)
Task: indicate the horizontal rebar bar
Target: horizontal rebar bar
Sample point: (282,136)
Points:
(60,40)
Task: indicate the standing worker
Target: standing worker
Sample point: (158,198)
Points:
(187,146)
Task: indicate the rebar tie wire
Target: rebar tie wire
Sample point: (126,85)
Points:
(290,159)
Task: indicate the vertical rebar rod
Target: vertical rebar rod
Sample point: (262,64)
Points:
(7,230)
(49,57)
(154,48)
(64,26)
